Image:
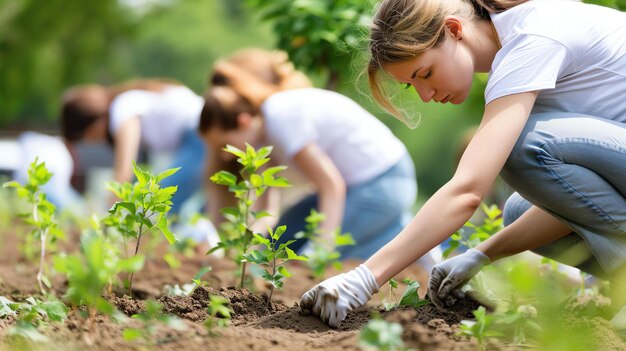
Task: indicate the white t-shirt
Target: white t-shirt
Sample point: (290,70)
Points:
(573,53)
(359,145)
(165,115)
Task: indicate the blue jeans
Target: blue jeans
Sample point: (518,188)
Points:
(573,166)
(375,211)
(191,157)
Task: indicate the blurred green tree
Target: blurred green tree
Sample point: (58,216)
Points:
(320,36)
(46,45)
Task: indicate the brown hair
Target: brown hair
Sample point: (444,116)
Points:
(259,73)
(222,106)
(83,105)
(404,29)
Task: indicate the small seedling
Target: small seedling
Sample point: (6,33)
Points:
(219,314)
(491,225)
(91,272)
(151,318)
(410,297)
(42,216)
(143,208)
(523,319)
(480,328)
(273,258)
(188,289)
(320,257)
(251,186)
(393,286)
(30,315)
(381,335)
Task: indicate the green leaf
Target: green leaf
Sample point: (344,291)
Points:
(166,173)
(291,255)
(282,270)
(256,180)
(132,264)
(163,226)
(255,256)
(279,232)
(131,334)
(224,178)
(12,184)
(235,151)
(202,271)
(142,177)
(411,298)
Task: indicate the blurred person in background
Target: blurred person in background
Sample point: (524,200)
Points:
(362,176)
(160,115)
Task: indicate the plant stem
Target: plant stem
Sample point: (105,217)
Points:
(245,241)
(41,261)
(243,273)
(130,283)
(42,257)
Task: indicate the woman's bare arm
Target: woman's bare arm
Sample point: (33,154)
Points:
(450,207)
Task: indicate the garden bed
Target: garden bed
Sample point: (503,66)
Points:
(253,326)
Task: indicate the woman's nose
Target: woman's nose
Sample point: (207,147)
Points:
(425,93)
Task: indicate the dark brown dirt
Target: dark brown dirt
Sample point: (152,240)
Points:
(253,326)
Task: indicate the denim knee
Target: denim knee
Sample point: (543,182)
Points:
(514,208)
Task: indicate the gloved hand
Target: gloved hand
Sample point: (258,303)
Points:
(332,299)
(449,276)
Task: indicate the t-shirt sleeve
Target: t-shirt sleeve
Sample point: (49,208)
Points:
(527,63)
(289,124)
(125,106)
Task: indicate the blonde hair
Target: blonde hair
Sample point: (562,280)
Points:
(404,29)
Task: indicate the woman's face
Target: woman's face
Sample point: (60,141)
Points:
(217,138)
(442,74)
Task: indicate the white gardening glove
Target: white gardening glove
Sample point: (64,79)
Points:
(450,275)
(332,299)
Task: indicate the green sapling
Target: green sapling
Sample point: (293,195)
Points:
(320,257)
(273,258)
(480,328)
(252,185)
(42,216)
(143,208)
(219,314)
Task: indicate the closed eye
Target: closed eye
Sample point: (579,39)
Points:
(427,75)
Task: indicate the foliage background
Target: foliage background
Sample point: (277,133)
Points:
(47,46)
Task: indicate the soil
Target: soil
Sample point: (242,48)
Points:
(253,326)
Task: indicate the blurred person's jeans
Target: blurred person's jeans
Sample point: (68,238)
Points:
(573,166)
(191,157)
(375,211)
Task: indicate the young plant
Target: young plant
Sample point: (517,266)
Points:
(143,208)
(381,335)
(31,314)
(491,225)
(480,328)
(410,297)
(42,215)
(252,185)
(188,289)
(523,319)
(273,258)
(320,257)
(89,274)
(151,318)
(219,314)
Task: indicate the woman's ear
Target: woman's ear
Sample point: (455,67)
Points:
(454,26)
